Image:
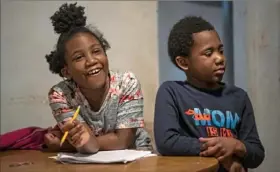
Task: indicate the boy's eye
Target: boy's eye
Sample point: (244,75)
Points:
(208,53)
(221,50)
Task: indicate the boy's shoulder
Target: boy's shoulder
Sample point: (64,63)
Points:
(169,85)
(170,88)
(228,90)
(234,91)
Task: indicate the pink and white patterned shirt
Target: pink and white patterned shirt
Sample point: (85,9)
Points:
(122,107)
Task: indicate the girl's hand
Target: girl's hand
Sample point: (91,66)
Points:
(78,135)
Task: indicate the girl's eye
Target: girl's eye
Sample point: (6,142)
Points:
(96,51)
(77,58)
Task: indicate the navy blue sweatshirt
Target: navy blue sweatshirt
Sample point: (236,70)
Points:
(184,113)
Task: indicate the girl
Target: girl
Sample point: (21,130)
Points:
(111,115)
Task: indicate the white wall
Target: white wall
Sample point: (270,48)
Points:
(27,35)
(169,12)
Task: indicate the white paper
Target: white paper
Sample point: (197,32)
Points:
(116,156)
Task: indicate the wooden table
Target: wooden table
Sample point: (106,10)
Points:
(39,162)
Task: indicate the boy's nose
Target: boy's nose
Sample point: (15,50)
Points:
(220,60)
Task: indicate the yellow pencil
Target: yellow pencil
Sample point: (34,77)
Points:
(66,133)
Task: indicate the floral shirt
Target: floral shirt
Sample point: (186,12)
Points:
(122,107)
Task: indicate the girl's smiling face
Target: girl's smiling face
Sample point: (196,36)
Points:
(86,61)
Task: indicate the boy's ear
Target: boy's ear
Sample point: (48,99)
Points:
(65,73)
(182,62)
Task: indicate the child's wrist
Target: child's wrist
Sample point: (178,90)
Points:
(91,146)
(240,149)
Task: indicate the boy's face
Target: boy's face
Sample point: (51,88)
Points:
(206,63)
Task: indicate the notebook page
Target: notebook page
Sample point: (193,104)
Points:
(116,156)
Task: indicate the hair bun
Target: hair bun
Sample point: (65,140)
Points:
(67,17)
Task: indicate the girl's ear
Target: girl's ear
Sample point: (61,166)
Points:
(65,73)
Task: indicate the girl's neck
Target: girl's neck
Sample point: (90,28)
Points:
(96,97)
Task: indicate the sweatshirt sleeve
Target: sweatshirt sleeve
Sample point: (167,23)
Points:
(168,138)
(248,134)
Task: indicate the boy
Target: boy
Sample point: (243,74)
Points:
(203,116)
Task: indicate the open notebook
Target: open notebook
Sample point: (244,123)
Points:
(116,156)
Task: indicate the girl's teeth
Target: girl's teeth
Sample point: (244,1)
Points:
(93,71)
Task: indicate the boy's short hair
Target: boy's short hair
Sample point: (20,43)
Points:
(180,39)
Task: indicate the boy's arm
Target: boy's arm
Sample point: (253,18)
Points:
(168,138)
(233,164)
(250,148)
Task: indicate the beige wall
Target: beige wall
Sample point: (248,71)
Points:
(263,70)
(257,55)
(27,35)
